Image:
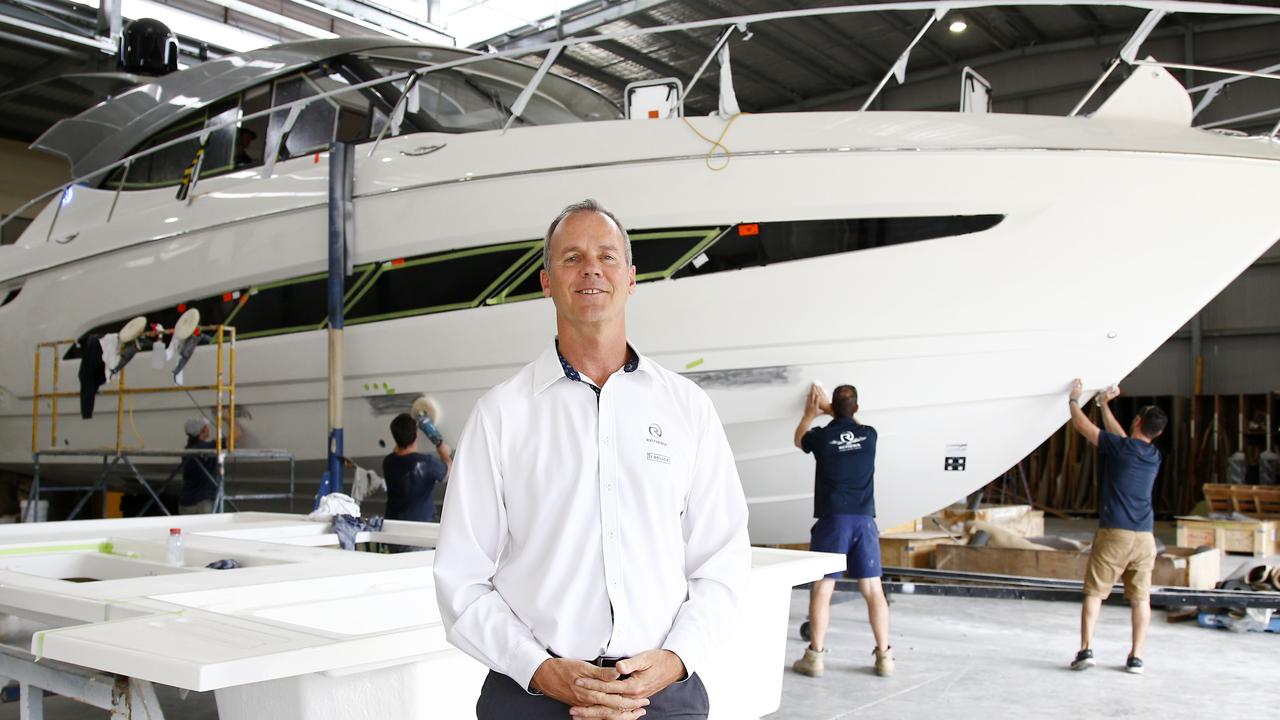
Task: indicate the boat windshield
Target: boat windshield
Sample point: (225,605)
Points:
(478,96)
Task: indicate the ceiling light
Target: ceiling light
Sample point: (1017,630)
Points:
(958,26)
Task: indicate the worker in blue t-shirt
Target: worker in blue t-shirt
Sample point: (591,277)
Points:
(845,506)
(411,476)
(1124,547)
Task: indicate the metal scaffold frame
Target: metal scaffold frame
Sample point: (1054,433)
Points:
(224,448)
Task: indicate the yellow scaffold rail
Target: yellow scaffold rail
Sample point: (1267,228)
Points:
(224,385)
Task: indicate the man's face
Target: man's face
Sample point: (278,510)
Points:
(588,276)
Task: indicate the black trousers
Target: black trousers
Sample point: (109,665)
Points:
(502,698)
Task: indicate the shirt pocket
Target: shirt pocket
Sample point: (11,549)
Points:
(656,454)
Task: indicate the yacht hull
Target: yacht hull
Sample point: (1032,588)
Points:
(962,347)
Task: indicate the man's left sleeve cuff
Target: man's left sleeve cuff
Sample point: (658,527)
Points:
(525,662)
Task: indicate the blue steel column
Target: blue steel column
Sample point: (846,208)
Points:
(339,206)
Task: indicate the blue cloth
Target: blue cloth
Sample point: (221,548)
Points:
(411,480)
(854,536)
(348,526)
(844,480)
(1129,469)
(196,485)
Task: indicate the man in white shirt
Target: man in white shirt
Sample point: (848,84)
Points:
(594,539)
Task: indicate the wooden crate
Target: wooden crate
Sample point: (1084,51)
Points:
(1260,501)
(1021,519)
(911,549)
(1254,537)
(1176,567)
(909,526)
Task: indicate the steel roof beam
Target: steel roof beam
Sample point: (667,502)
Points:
(1019,19)
(740,68)
(796,49)
(996,37)
(578,24)
(1045,49)
(902,28)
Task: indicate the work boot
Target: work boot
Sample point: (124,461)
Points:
(884,661)
(811,664)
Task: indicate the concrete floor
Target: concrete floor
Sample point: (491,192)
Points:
(962,658)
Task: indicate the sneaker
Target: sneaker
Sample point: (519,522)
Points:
(812,663)
(884,661)
(1133,665)
(1084,660)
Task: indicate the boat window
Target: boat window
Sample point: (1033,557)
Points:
(756,244)
(479,96)
(316,124)
(251,135)
(287,306)
(166,167)
(657,254)
(447,281)
(506,273)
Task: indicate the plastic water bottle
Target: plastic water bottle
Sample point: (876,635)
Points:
(173,549)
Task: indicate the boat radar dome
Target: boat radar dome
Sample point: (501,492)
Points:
(148,47)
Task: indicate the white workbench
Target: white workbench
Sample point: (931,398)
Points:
(304,631)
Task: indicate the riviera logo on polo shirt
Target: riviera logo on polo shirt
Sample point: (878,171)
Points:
(848,441)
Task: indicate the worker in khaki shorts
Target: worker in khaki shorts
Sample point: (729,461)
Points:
(1124,546)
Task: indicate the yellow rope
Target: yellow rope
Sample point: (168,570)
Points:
(717,143)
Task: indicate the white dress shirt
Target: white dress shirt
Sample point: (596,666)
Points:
(591,526)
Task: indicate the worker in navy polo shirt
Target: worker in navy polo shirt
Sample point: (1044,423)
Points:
(845,505)
(1124,547)
(593,545)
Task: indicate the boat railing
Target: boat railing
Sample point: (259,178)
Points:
(1128,54)
(223,387)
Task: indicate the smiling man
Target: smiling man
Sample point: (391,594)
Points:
(594,541)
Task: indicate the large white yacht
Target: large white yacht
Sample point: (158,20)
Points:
(960,269)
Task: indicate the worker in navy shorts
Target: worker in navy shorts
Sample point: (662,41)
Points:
(845,507)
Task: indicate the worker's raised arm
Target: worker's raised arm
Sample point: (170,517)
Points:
(1108,419)
(812,409)
(1079,420)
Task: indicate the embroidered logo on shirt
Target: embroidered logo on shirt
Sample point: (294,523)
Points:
(655,457)
(848,441)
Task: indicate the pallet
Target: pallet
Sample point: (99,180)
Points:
(1260,501)
(911,549)
(1176,567)
(1253,537)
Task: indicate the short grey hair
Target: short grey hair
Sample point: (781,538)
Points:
(588,205)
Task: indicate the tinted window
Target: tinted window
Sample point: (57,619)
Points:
(653,255)
(433,284)
(166,167)
(293,305)
(756,244)
(316,124)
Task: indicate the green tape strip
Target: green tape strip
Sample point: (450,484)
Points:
(104,547)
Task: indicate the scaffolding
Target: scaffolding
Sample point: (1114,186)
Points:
(224,388)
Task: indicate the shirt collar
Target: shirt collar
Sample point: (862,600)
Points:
(551,366)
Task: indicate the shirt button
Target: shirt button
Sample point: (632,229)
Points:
(606,441)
